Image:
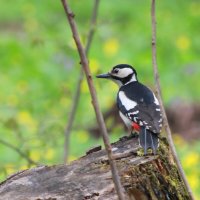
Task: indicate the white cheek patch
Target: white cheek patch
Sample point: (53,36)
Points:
(127,103)
(124,72)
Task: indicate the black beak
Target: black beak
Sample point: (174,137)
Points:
(104,75)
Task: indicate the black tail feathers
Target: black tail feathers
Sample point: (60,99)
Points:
(148,140)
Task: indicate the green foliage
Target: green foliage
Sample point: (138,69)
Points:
(39,70)
(190,159)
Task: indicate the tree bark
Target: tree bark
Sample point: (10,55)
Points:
(143,177)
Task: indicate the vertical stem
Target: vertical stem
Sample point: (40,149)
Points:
(158,91)
(99,116)
(72,116)
(78,87)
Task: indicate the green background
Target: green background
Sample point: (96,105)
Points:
(40,66)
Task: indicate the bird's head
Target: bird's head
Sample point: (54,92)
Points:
(121,74)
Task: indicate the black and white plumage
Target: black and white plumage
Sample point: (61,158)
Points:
(137,105)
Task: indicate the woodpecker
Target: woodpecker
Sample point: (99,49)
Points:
(138,106)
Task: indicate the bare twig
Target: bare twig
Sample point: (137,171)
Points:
(72,116)
(159,95)
(98,113)
(92,26)
(78,87)
(22,154)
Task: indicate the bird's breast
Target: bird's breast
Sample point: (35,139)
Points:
(127,121)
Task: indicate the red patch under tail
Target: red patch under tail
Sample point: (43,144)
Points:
(136,126)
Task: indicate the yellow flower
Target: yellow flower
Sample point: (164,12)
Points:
(84,86)
(178,140)
(111,47)
(25,119)
(35,155)
(82,136)
(72,158)
(65,101)
(49,154)
(191,160)
(183,42)
(193,181)
(9,169)
(23,167)
(94,65)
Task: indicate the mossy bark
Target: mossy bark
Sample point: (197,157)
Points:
(143,177)
(156,179)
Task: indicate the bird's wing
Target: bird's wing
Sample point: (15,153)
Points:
(149,116)
(144,109)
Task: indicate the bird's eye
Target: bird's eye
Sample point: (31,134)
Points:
(115,71)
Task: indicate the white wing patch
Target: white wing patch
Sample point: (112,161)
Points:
(155,100)
(126,102)
(136,112)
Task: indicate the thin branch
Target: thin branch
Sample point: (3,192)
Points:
(22,154)
(99,116)
(158,91)
(92,26)
(78,87)
(72,116)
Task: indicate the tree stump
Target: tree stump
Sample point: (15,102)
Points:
(143,177)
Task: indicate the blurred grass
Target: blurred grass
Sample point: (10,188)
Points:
(39,69)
